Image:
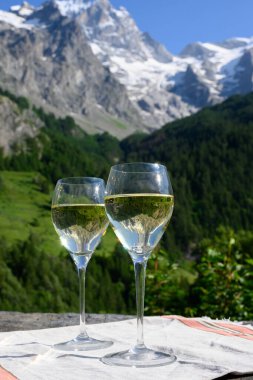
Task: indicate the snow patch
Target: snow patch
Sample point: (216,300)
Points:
(35,22)
(213,47)
(96,49)
(15,8)
(121,12)
(25,12)
(12,19)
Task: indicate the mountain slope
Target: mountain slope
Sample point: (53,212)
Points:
(208,155)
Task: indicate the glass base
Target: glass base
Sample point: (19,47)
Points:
(139,357)
(82,343)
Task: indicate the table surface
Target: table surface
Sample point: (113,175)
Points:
(16,321)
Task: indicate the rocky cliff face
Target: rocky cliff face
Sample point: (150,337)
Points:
(16,125)
(49,60)
(244,73)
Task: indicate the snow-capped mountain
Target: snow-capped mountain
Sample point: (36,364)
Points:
(47,58)
(162,87)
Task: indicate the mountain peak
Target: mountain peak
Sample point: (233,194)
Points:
(113,31)
(197,50)
(104,3)
(23,10)
(72,7)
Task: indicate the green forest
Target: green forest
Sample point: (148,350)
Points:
(204,263)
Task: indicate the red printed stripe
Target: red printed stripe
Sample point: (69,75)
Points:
(239,331)
(5,375)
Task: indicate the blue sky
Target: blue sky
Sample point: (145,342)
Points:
(176,23)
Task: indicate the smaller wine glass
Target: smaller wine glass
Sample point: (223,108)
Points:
(79,218)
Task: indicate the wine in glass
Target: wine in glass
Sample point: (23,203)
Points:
(79,218)
(139,204)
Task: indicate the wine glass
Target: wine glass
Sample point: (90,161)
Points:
(139,204)
(79,218)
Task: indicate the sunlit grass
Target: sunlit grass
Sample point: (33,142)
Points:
(25,209)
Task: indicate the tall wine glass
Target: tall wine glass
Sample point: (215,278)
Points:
(139,204)
(79,218)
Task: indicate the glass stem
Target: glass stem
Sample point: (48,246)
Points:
(81,275)
(140,273)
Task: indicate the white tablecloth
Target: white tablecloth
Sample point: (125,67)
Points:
(200,354)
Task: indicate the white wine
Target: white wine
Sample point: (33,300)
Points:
(80,226)
(139,220)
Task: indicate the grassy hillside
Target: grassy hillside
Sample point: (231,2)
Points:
(25,209)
